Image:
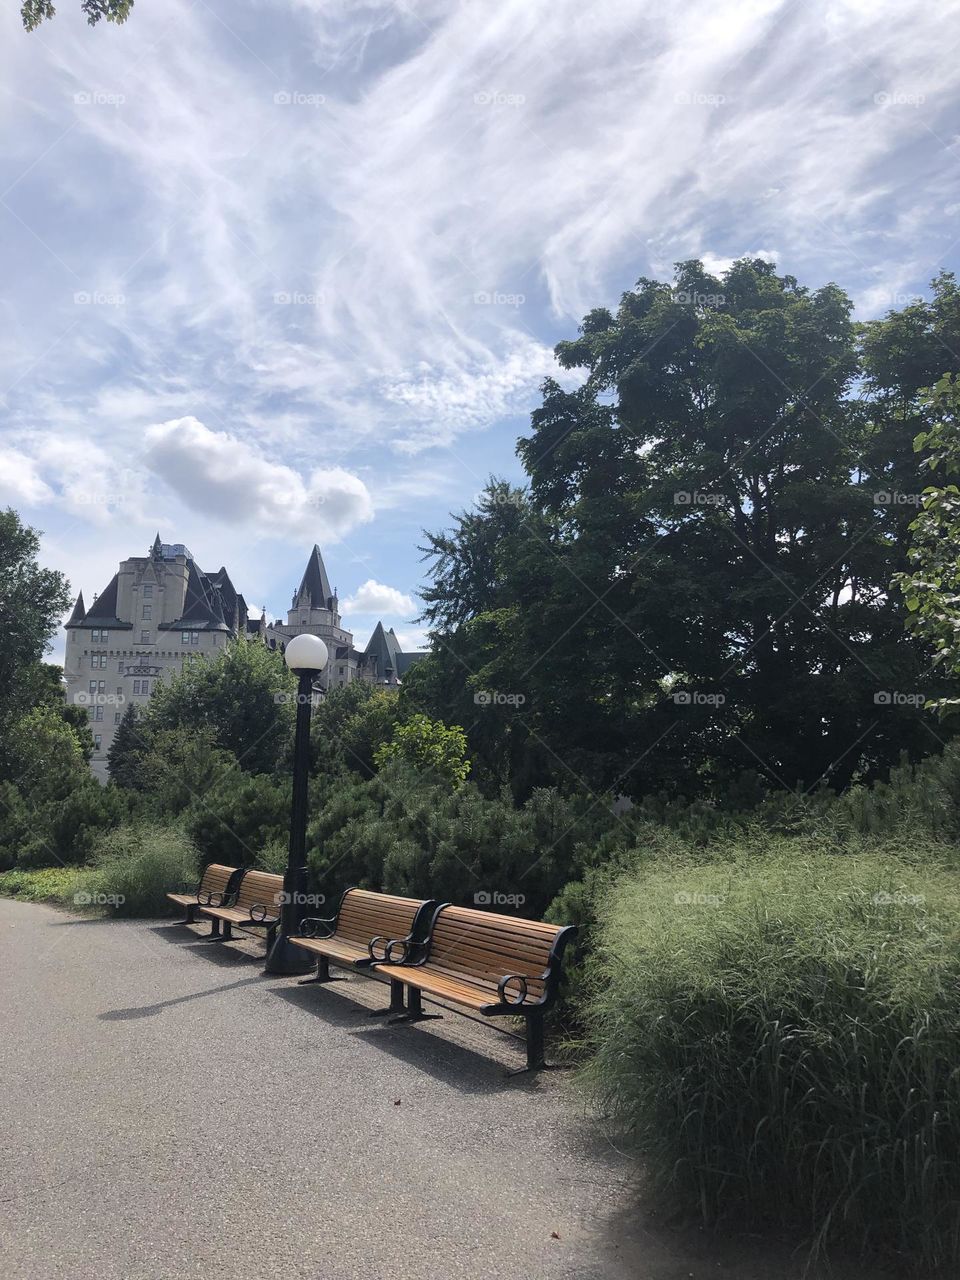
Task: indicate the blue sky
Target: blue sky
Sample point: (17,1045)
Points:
(291,272)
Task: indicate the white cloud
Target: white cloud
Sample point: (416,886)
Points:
(21,482)
(376,598)
(220,475)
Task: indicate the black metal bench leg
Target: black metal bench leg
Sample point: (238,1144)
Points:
(214,927)
(227,930)
(323,973)
(414,1012)
(191,914)
(396,1001)
(535,1045)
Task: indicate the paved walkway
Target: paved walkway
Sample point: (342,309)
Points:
(168,1111)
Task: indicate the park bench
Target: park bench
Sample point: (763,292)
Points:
(254,903)
(213,890)
(489,964)
(367,925)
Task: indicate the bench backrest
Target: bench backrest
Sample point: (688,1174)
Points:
(364,915)
(481,947)
(216,877)
(260,888)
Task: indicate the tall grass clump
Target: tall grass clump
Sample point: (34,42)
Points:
(133,868)
(779,1038)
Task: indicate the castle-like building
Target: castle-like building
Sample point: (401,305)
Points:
(159,609)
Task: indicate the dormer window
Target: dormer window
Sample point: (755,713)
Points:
(148,591)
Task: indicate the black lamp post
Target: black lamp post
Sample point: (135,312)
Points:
(306,656)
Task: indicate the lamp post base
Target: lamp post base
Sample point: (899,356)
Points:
(285,958)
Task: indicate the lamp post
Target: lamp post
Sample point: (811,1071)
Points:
(306,656)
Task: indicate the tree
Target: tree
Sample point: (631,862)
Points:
(931,587)
(130,744)
(244,697)
(430,746)
(33,12)
(696,586)
(32,601)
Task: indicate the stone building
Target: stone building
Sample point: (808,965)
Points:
(161,608)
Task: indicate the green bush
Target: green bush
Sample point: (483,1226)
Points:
(50,884)
(779,1035)
(133,868)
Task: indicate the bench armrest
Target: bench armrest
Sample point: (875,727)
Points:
(186,886)
(512,985)
(214,898)
(397,950)
(310,927)
(259,911)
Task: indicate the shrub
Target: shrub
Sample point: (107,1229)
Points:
(238,817)
(779,1036)
(133,869)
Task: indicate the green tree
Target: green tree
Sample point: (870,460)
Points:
(696,588)
(33,12)
(244,697)
(931,587)
(430,746)
(131,743)
(32,601)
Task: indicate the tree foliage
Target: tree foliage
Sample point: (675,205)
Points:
(33,12)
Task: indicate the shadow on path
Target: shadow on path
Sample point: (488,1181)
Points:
(452,1064)
(149,1010)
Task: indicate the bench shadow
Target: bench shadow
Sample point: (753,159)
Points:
(450,1063)
(217,950)
(150,1010)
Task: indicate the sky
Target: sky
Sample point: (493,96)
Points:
(290,272)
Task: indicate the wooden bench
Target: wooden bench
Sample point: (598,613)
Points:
(367,925)
(490,964)
(213,890)
(254,903)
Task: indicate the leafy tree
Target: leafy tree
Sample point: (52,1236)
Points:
(931,588)
(428,745)
(696,587)
(239,817)
(243,697)
(33,12)
(183,768)
(32,601)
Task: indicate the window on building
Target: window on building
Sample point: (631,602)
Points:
(141,686)
(116,717)
(148,613)
(97,636)
(98,714)
(190,637)
(120,666)
(96,741)
(144,637)
(93,687)
(101,686)
(120,690)
(148,591)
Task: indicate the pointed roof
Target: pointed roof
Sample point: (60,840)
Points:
(315,582)
(103,611)
(383,646)
(157,549)
(78,612)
